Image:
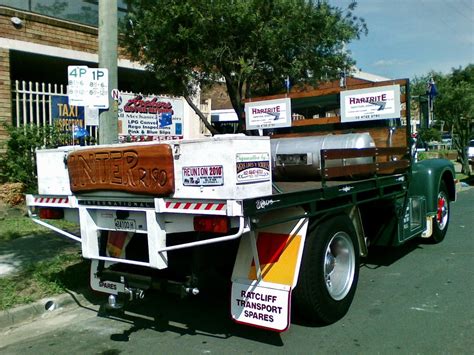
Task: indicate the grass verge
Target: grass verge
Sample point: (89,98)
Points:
(34,281)
(15,225)
(66,270)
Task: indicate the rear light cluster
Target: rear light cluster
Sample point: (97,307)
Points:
(211,224)
(51,213)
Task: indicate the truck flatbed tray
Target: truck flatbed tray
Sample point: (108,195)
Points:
(335,195)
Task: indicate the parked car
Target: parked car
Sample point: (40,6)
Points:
(470,151)
(447,139)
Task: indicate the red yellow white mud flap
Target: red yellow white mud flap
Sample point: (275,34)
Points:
(266,270)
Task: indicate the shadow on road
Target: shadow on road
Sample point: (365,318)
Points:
(207,316)
(386,256)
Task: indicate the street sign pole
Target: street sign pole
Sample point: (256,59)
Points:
(108,120)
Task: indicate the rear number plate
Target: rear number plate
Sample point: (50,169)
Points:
(125,225)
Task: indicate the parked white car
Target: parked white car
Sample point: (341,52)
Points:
(470,151)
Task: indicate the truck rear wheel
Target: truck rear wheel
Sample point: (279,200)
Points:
(441,220)
(329,271)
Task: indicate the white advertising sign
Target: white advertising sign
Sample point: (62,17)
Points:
(151,117)
(261,306)
(252,167)
(268,114)
(370,104)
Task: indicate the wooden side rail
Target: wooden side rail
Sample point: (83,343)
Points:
(363,162)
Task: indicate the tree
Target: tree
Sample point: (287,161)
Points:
(253,45)
(454,105)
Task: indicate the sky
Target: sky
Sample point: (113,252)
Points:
(409,38)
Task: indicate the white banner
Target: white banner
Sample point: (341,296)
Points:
(370,104)
(268,114)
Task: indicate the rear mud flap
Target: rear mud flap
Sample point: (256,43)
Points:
(109,287)
(261,304)
(266,270)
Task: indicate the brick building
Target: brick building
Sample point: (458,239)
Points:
(38,40)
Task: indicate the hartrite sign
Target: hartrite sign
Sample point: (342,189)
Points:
(268,114)
(370,104)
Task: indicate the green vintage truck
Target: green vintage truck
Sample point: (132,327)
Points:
(286,215)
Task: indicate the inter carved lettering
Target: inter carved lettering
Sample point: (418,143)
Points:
(135,170)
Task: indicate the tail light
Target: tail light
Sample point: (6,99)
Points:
(51,213)
(211,224)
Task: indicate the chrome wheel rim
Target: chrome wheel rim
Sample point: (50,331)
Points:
(339,266)
(442,212)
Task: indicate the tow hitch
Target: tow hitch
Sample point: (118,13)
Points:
(118,301)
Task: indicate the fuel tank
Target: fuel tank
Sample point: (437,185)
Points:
(299,158)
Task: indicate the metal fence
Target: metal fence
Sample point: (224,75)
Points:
(32,104)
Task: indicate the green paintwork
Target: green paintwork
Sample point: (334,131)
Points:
(426,178)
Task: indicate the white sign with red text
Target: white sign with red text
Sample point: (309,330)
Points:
(152,117)
(377,103)
(268,114)
(261,304)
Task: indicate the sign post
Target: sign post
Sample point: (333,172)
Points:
(108,121)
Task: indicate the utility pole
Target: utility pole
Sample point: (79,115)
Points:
(108,120)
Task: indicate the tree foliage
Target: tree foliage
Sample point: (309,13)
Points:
(18,164)
(454,105)
(253,45)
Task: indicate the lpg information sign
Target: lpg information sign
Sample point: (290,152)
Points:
(153,117)
(268,114)
(377,103)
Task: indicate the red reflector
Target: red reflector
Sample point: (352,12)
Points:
(212,224)
(51,213)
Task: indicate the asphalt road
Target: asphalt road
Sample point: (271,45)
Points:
(418,299)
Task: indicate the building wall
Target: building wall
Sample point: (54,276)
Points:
(37,30)
(47,31)
(46,36)
(5,94)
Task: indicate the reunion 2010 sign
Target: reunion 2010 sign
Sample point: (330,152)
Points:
(377,103)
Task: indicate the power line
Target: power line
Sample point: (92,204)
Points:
(459,12)
(466,4)
(441,18)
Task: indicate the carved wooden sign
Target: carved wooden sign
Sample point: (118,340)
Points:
(146,169)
